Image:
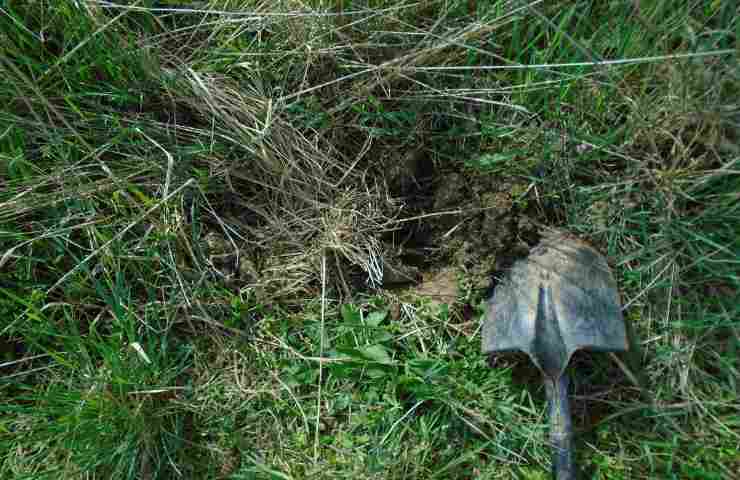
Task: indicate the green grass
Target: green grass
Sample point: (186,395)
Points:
(195,207)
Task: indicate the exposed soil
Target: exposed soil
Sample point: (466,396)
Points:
(457,228)
(473,227)
(456,224)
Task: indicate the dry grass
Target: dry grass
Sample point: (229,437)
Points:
(296,199)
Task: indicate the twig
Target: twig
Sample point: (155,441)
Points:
(321,354)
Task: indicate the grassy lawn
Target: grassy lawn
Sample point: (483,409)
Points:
(247,239)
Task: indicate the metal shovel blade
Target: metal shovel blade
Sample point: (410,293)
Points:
(560,299)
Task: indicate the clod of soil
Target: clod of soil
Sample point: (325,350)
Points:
(395,272)
(441,287)
(407,173)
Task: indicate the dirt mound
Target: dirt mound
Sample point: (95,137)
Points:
(460,224)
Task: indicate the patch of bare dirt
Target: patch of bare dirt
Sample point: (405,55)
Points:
(440,287)
(460,228)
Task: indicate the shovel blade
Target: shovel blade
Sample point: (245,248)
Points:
(560,299)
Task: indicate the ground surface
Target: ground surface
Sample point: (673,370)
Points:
(245,239)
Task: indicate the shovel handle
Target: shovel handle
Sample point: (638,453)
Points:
(561,430)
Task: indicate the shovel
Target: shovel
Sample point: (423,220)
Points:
(560,299)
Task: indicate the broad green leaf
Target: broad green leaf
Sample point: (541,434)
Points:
(350,313)
(376,353)
(376,318)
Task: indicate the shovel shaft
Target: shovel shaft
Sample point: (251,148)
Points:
(561,430)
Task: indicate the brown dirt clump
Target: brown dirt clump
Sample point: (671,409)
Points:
(466,226)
